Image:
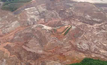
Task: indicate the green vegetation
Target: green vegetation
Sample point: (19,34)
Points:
(12,5)
(89,61)
(67,30)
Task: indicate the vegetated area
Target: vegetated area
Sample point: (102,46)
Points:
(89,61)
(67,30)
(12,5)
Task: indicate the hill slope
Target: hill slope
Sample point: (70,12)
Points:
(53,32)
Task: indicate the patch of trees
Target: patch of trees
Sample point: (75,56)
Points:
(12,5)
(89,61)
(14,0)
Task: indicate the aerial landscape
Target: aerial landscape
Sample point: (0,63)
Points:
(53,32)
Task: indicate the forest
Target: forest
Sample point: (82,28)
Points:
(13,5)
(89,61)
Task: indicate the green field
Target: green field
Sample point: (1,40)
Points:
(89,61)
(13,5)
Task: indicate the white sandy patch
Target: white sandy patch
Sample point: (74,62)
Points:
(43,26)
(92,1)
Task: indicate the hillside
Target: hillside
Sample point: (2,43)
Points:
(53,32)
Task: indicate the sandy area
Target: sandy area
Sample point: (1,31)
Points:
(92,1)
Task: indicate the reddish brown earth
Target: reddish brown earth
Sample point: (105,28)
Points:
(35,35)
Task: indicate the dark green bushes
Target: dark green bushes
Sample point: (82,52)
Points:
(12,5)
(89,61)
(67,30)
(15,1)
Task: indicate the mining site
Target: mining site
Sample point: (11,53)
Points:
(52,32)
